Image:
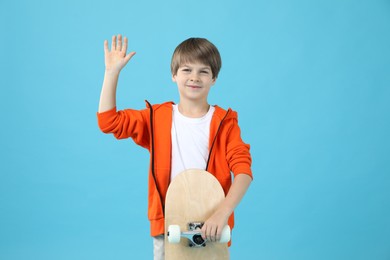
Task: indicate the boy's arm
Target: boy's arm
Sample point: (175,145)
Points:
(115,60)
(212,228)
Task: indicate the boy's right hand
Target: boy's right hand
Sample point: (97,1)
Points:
(116,59)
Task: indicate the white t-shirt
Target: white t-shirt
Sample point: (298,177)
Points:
(190,141)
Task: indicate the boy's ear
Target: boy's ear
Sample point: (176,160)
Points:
(214,80)
(174,78)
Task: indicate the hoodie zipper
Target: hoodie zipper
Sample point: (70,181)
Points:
(215,138)
(152,159)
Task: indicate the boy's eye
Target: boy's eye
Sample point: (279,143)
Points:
(204,72)
(186,70)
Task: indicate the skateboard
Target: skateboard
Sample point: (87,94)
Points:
(192,197)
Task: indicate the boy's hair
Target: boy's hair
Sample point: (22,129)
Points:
(196,50)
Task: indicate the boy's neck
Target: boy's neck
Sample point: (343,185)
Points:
(192,109)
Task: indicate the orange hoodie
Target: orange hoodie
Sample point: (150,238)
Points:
(151,129)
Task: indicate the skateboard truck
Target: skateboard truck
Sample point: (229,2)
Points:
(195,238)
(194,234)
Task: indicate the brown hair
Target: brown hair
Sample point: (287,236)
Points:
(196,50)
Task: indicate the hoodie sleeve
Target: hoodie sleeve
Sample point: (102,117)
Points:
(126,123)
(237,152)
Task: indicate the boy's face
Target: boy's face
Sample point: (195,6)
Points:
(194,81)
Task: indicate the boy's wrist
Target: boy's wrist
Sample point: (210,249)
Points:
(227,211)
(112,72)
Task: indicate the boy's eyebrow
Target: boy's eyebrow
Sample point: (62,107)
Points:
(202,68)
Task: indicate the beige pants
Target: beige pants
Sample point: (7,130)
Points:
(158,247)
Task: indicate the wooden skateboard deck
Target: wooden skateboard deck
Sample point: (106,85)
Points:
(192,197)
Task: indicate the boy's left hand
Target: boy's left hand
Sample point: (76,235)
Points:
(213,226)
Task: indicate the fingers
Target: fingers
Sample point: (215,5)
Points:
(117,44)
(218,234)
(128,57)
(124,47)
(113,43)
(211,233)
(106,46)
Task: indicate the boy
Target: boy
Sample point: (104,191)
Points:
(190,134)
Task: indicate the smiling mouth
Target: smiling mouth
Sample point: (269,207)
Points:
(194,86)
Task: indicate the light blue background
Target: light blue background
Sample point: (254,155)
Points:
(311,83)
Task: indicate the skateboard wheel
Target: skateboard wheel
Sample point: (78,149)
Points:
(174,234)
(225,235)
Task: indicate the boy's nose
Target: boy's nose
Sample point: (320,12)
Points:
(194,77)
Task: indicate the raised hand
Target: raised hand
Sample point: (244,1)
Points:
(116,58)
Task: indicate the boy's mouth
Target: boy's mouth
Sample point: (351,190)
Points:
(194,86)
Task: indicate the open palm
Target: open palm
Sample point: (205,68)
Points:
(116,58)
